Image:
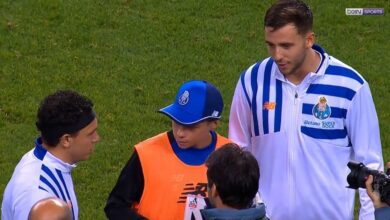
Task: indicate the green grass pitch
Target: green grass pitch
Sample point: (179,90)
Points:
(130,56)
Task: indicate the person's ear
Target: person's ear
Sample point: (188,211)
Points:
(310,39)
(213,191)
(66,140)
(213,124)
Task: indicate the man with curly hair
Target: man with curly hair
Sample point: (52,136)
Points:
(68,134)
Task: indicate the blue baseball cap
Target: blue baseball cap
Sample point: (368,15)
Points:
(195,101)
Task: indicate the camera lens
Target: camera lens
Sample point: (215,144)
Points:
(358,175)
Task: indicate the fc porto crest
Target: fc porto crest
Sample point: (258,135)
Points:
(184,98)
(322,110)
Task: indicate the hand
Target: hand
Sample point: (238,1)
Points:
(388,168)
(374,195)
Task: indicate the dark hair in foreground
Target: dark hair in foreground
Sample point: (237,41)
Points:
(63,112)
(285,12)
(235,174)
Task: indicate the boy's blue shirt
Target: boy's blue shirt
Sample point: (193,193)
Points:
(193,156)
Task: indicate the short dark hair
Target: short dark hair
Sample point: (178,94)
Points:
(286,12)
(235,173)
(63,112)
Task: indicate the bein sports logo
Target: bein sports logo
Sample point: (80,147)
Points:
(364,11)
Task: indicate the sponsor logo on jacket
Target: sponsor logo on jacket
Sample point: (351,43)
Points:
(193,189)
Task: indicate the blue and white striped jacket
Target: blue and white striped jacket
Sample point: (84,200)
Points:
(304,135)
(38,175)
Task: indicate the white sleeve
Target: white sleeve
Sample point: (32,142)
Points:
(363,130)
(25,201)
(240,118)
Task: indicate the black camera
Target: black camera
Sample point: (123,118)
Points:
(359,174)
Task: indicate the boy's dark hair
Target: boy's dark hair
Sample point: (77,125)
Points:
(235,174)
(286,12)
(64,112)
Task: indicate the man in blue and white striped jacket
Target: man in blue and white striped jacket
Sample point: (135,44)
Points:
(68,126)
(304,115)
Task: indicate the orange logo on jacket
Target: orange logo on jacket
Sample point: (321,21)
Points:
(269,105)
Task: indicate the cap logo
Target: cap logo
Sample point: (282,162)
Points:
(215,113)
(184,98)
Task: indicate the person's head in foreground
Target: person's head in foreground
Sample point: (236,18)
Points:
(233,177)
(50,209)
